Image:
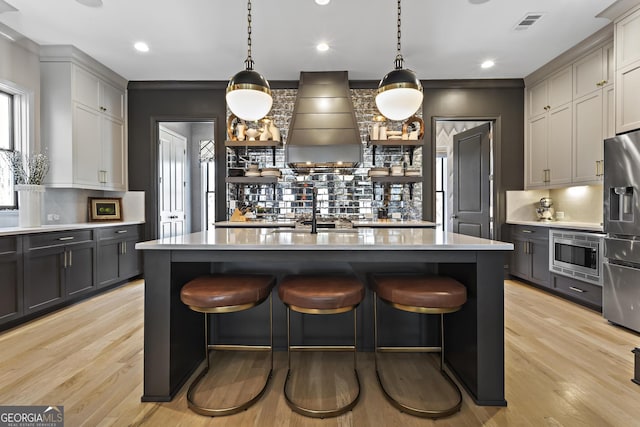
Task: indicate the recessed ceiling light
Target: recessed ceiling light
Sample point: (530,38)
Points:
(322,47)
(141,47)
(323,2)
(487,64)
(91,3)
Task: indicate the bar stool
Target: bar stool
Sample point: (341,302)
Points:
(228,293)
(418,294)
(318,294)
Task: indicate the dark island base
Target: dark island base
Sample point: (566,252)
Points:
(474,336)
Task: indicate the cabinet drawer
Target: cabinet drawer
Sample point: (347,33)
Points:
(58,238)
(529,232)
(578,290)
(124,232)
(8,245)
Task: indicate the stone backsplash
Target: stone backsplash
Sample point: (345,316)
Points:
(345,193)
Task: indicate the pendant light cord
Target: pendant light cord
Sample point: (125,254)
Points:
(399,59)
(249,61)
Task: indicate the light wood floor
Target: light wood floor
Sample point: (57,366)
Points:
(565,366)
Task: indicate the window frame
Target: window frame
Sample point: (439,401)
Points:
(23,114)
(12,144)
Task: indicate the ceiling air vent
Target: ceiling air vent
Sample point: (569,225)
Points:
(528,20)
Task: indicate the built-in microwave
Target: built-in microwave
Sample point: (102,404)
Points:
(576,254)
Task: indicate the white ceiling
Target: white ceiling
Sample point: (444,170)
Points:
(206,39)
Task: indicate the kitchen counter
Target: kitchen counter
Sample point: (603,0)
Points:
(395,224)
(255,224)
(12,231)
(356,224)
(587,226)
(173,334)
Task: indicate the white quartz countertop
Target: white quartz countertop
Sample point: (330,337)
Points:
(394,223)
(256,223)
(291,224)
(12,231)
(588,226)
(233,239)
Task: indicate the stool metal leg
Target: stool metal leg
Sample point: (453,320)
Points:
(214,412)
(420,412)
(321,413)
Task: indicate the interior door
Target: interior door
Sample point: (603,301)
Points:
(172,149)
(471,182)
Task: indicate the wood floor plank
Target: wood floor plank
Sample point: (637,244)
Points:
(565,366)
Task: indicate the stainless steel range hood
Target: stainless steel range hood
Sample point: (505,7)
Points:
(323,131)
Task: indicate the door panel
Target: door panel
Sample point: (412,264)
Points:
(471,182)
(172,163)
(80,268)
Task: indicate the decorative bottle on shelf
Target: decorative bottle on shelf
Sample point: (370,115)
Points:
(382,133)
(275,132)
(265,135)
(240,128)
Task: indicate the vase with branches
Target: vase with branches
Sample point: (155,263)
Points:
(28,176)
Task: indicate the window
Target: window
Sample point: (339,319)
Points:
(8,198)
(16,132)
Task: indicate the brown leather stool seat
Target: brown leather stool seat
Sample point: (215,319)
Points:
(208,293)
(427,292)
(418,294)
(321,294)
(304,293)
(228,293)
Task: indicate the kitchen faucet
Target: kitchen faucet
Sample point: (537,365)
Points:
(314,208)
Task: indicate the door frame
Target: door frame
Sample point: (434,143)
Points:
(153,158)
(495,152)
(185,179)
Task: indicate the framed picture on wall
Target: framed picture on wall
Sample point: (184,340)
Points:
(104,209)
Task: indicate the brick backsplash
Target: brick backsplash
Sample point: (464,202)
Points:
(345,193)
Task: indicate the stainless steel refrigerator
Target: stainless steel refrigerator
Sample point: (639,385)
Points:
(621,285)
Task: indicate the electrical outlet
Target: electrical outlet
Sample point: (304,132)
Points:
(53,217)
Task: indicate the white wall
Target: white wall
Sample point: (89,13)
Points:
(20,65)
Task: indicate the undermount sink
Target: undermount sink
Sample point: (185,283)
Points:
(320,231)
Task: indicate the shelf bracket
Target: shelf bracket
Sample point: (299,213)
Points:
(273,156)
(373,152)
(411,191)
(411,148)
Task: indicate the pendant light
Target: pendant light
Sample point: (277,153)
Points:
(399,92)
(248,92)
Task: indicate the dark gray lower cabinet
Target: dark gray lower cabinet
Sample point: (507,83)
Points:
(10,279)
(582,292)
(57,266)
(118,259)
(530,256)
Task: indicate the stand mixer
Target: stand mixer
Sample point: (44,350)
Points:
(545,211)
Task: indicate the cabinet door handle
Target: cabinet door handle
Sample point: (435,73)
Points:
(527,231)
(121,231)
(70,258)
(63,239)
(64,264)
(125,248)
(573,288)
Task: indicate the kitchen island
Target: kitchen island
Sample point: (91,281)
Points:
(474,336)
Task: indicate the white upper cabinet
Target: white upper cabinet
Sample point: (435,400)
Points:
(570,113)
(627,79)
(93,92)
(83,123)
(593,72)
(627,38)
(550,93)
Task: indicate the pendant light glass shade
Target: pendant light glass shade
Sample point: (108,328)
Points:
(399,94)
(248,92)
(249,95)
(400,91)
